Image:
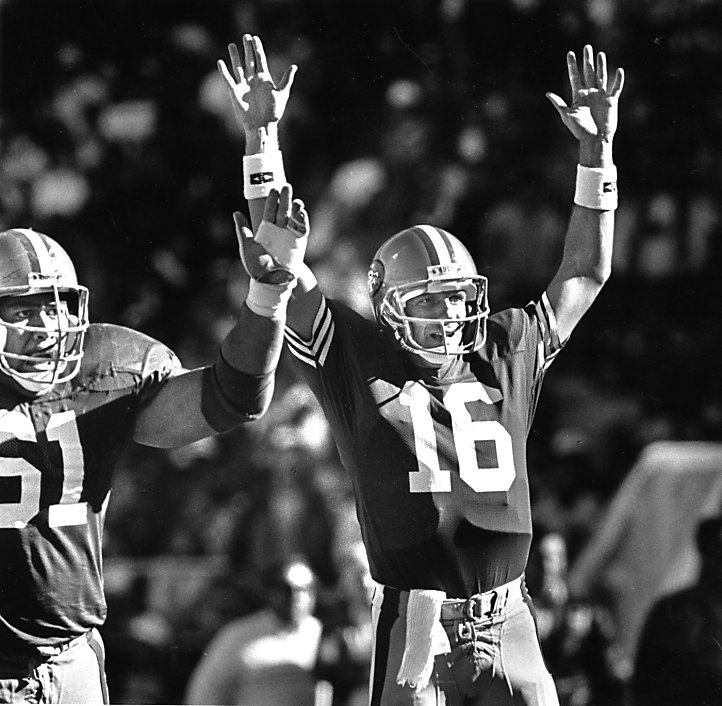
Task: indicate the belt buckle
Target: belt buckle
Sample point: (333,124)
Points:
(482,605)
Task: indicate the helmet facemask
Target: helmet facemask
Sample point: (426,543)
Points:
(58,363)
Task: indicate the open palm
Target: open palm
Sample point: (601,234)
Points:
(257,100)
(593,113)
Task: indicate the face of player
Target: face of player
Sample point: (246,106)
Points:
(36,310)
(438,305)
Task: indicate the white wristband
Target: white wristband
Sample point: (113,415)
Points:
(268,300)
(596,188)
(261,173)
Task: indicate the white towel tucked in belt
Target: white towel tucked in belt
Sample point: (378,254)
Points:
(425,637)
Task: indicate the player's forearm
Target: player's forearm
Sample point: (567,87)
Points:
(586,260)
(589,238)
(263,140)
(254,344)
(596,153)
(239,386)
(588,246)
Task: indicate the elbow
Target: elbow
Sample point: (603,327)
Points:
(601,274)
(259,405)
(596,271)
(231,398)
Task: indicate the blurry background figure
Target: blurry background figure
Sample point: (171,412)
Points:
(138,649)
(576,636)
(679,659)
(344,658)
(265,658)
(644,546)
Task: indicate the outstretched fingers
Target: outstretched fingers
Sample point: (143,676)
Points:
(234,76)
(590,76)
(226,74)
(278,206)
(284,85)
(243,232)
(284,205)
(602,71)
(249,57)
(236,63)
(575,80)
(259,55)
(270,208)
(298,221)
(593,74)
(560,104)
(618,84)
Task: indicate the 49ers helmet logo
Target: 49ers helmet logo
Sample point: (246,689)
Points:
(375,277)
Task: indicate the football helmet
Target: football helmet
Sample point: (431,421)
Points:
(33,263)
(424,259)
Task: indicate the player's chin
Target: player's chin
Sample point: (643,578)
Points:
(440,344)
(432,342)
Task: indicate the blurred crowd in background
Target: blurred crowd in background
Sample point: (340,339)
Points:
(116,138)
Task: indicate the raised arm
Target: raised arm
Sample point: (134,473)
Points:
(592,119)
(259,104)
(238,387)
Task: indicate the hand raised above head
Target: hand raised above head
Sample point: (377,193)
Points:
(257,100)
(593,113)
(276,253)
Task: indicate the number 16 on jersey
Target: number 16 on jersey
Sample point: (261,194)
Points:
(429,477)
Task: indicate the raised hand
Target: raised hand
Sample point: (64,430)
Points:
(593,113)
(257,100)
(276,253)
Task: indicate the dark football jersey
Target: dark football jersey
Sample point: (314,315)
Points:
(57,455)
(437,458)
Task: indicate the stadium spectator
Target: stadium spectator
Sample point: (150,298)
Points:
(344,656)
(265,658)
(679,655)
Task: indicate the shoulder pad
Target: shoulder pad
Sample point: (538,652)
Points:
(111,349)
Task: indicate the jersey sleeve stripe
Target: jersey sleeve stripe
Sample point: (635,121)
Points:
(315,351)
(549,344)
(299,351)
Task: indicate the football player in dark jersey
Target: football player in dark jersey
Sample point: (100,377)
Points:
(72,395)
(430,406)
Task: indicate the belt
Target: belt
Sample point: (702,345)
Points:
(54,650)
(483,605)
(480,605)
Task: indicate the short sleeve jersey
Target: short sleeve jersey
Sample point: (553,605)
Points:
(57,455)
(437,458)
